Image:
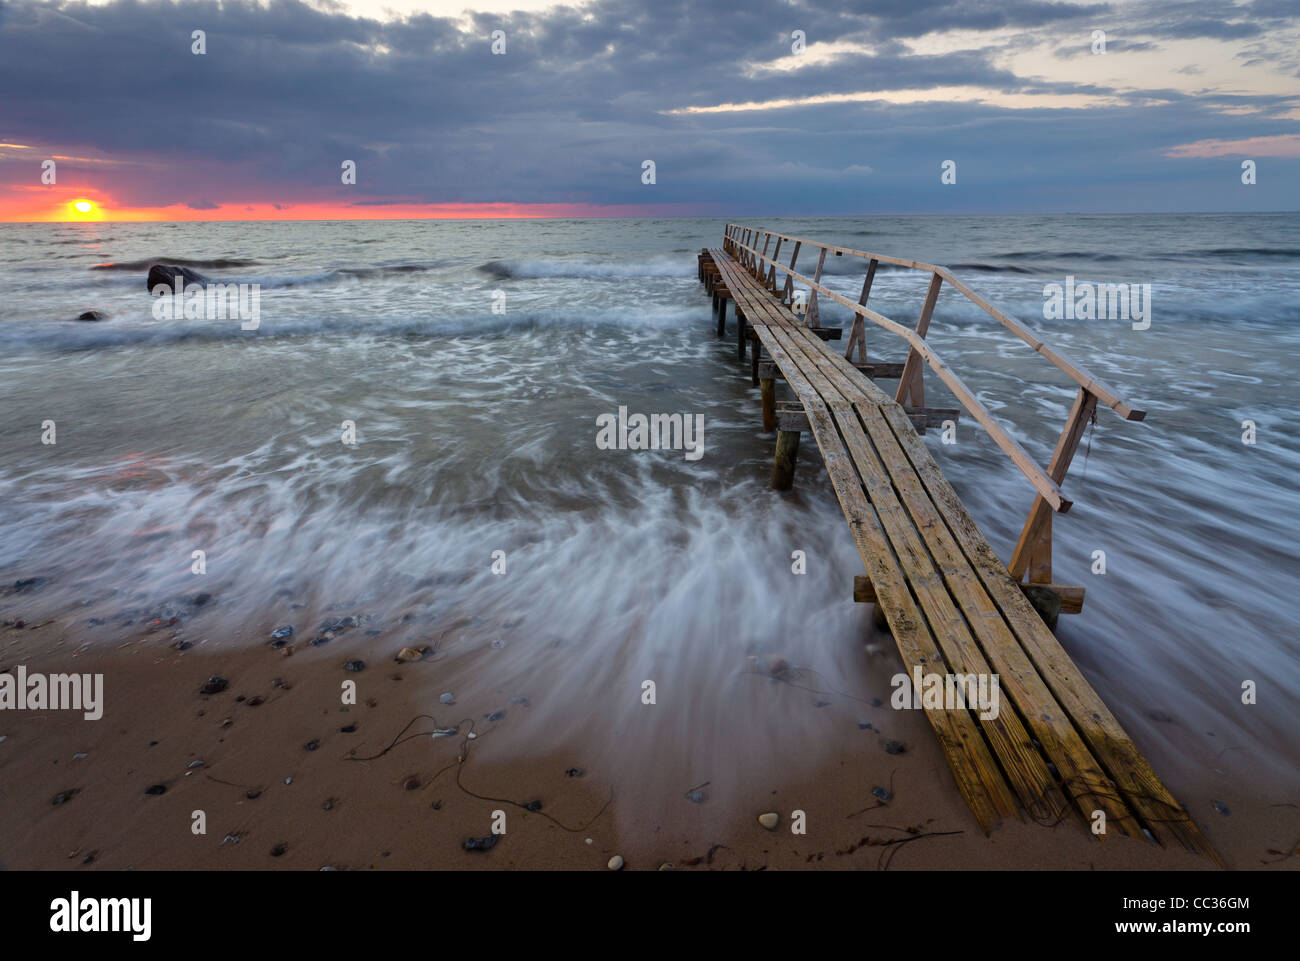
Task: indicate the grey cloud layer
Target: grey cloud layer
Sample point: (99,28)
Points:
(285,92)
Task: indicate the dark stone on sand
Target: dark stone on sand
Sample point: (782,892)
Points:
(348,729)
(92,315)
(318,641)
(165,275)
(201,599)
(182,645)
(355,665)
(574,772)
(894,747)
(1220,807)
(411,783)
(881,793)
(533,806)
(63,797)
(495,715)
(312,744)
(279,849)
(481,844)
(696,797)
(155,789)
(1045,601)
(253,793)
(30,583)
(281,633)
(214,685)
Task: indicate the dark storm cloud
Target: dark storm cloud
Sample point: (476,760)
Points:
(286,92)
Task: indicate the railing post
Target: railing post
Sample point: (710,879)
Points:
(858,335)
(1033,553)
(812,316)
(771,271)
(758,263)
(787,293)
(912,383)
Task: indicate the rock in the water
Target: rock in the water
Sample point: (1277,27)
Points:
(769,820)
(894,747)
(408,654)
(482,844)
(165,276)
(1045,601)
(92,315)
(355,665)
(281,633)
(214,685)
(616,863)
(446,698)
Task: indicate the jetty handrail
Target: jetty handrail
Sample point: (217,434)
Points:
(1076,373)
(1033,551)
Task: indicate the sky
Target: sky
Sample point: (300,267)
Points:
(769,107)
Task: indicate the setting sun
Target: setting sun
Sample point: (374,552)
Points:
(83,206)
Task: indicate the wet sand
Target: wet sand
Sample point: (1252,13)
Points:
(270,802)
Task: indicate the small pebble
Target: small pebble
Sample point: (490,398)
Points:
(75,757)
(355,665)
(444,731)
(498,645)
(63,797)
(495,715)
(893,747)
(214,685)
(1220,807)
(471,735)
(156,789)
(329,804)
(281,633)
(696,797)
(533,806)
(411,783)
(446,698)
(616,863)
(667,867)
(348,729)
(481,844)
(312,744)
(574,772)
(195,764)
(769,820)
(279,849)
(881,793)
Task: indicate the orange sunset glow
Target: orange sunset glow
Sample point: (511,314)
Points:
(78,207)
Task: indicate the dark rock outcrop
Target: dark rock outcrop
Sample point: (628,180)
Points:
(93,315)
(165,275)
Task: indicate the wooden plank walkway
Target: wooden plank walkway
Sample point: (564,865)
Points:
(1054,749)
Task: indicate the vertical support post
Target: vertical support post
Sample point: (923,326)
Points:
(768,387)
(758,264)
(755,353)
(858,336)
(911,383)
(787,451)
(787,294)
(1033,553)
(812,316)
(771,271)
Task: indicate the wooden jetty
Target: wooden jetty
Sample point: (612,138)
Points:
(1054,750)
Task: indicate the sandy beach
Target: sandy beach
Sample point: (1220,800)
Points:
(277,764)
